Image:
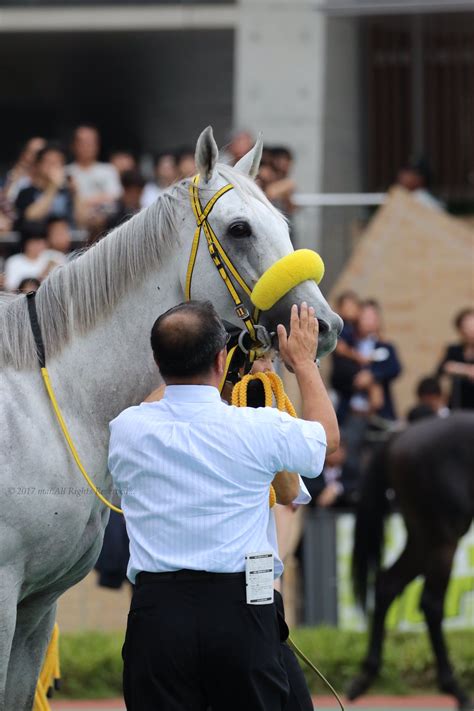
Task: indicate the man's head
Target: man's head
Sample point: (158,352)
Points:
(123,161)
(86,144)
(348,306)
(189,344)
(166,169)
(132,183)
(241,142)
(370,318)
(429,393)
(49,161)
(58,235)
(464,323)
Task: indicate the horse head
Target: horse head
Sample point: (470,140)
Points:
(253,240)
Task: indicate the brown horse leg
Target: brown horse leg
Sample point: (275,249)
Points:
(438,571)
(389,584)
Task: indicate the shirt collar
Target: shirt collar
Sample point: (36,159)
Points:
(191,393)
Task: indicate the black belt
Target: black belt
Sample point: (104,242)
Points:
(185,575)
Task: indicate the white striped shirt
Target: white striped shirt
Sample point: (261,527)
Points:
(194,477)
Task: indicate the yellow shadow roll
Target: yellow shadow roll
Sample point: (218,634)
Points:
(284,275)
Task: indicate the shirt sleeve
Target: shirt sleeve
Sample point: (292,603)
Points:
(300,445)
(304,497)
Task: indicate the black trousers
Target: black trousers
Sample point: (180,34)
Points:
(192,642)
(299,698)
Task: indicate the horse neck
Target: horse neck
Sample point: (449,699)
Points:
(111,367)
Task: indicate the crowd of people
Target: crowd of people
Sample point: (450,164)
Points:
(55,198)
(364,366)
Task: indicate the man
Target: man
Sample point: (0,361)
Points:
(98,184)
(50,195)
(194,476)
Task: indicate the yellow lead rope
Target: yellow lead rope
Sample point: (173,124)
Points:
(70,443)
(273,389)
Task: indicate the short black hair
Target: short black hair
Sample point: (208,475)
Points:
(132,179)
(461,315)
(428,386)
(346,295)
(49,148)
(187,347)
(281,152)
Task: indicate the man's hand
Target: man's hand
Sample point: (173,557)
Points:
(262,365)
(301,345)
(328,495)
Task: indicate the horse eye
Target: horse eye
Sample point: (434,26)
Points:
(239,229)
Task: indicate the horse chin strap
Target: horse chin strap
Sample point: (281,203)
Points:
(260,338)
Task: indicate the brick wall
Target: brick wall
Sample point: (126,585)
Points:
(419,263)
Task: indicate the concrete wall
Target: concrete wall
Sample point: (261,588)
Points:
(146,90)
(297,79)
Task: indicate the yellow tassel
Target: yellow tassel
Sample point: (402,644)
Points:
(274,390)
(50,671)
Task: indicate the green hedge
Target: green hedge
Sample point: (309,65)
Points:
(91,663)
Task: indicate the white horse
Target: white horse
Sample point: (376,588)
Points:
(95,315)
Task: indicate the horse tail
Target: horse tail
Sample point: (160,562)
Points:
(369,526)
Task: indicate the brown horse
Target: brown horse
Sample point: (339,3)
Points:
(430,467)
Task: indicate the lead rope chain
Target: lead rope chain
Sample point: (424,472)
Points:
(273,388)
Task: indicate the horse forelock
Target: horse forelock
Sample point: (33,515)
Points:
(75,296)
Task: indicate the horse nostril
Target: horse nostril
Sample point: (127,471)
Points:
(323,326)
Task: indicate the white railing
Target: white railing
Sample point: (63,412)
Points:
(337,199)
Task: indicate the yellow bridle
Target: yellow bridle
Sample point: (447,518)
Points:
(223,264)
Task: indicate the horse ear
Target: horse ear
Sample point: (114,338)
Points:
(206,154)
(250,162)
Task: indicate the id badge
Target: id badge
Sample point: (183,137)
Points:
(259,578)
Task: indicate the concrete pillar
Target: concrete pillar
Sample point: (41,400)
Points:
(297,80)
(279,85)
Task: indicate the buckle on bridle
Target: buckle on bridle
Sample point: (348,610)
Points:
(261,345)
(241,311)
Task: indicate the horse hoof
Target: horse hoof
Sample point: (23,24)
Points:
(358,686)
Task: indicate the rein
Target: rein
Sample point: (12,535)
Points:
(36,329)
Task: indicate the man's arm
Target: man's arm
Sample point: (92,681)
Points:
(298,350)
(287,487)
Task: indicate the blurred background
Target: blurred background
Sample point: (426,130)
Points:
(367,113)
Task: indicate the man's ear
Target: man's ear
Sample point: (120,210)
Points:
(221,358)
(206,154)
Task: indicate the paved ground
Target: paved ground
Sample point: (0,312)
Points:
(322,703)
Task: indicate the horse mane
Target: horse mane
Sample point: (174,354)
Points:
(77,295)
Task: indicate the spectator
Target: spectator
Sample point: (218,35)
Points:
(282,159)
(58,235)
(458,363)
(98,184)
(49,195)
(166,172)
(21,174)
(430,400)
(28,284)
(122,161)
(337,485)
(347,360)
(241,142)
(35,260)
(415,178)
(364,387)
(130,202)
(185,164)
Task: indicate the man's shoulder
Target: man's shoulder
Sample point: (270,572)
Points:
(126,418)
